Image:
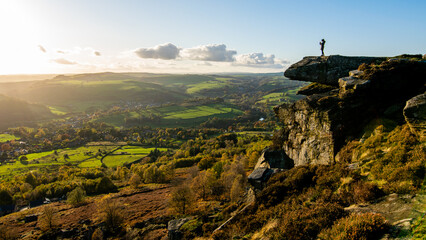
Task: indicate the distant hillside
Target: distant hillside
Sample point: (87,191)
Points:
(14,112)
(78,93)
(92,91)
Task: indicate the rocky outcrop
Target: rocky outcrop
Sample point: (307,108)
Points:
(415,115)
(326,69)
(315,128)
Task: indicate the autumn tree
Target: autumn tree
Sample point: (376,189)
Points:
(48,217)
(181,199)
(203,183)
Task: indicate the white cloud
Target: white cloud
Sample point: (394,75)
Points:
(259,60)
(255,58)
(63,61)
(42,48)
(164,51)
(211,52)
(79,51)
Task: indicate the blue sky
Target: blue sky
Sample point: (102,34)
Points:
(58,36)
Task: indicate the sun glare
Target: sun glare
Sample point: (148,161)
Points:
(20,39)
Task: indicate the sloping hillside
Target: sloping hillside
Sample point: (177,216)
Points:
(14,112)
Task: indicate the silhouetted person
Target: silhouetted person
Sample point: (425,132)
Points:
(322,43)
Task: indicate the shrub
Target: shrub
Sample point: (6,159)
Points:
(135,180)
(206,163)
(306,222)
(153,175)
(105,185)
(186,162)
(98,234)
(356,226)
(282,184)
(366,192)
(419,228)
(191,229)
(76,197)
(111,214)
(5,197)
(23,160)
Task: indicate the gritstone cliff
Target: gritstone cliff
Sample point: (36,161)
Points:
(347,93)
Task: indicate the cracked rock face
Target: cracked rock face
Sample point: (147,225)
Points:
(326,69)
(309,129)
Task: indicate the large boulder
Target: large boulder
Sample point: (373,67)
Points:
(415,115)
(259,177)
(326,69)
(274,159)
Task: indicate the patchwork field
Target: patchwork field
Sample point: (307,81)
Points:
(172,116)
(87,156)
(156,100)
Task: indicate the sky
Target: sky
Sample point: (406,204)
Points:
(193,36)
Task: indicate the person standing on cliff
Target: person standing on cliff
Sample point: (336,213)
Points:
(322,43)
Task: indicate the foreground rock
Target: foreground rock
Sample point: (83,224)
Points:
(173,228)
(315,128)
(326,69)
(415,115)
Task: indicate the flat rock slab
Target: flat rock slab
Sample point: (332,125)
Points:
(327,69)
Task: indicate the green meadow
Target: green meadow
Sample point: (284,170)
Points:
(7,137)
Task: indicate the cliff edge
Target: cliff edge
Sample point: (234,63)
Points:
(360,89)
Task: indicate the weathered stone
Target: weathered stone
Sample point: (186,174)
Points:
(326,70)
(259,176)
(174,226)
(351,84)
(355,73)
(308,129)
(415,115)
(274,159)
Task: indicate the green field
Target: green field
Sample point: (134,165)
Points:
(174,116)
(128,154)
(273,99)
(7,137)
(82,157)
